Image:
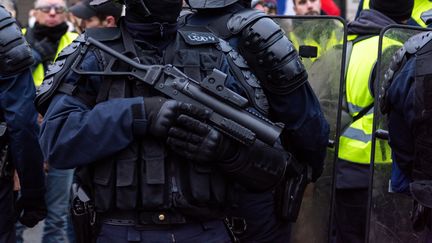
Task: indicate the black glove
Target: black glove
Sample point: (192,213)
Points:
(31,211)
(161,114)
(46,49)
(197,141)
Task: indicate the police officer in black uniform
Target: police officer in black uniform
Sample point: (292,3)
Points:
(406,99)
(158,171)
(19,147)
(261,54)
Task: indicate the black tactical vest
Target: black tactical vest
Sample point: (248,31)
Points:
(422,169)
(147,176)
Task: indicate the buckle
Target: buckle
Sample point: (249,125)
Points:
(160,218)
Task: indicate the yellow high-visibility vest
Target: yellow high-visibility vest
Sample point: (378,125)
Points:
(420,6)
(355,143)
(39,72)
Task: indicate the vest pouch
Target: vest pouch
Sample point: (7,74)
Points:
(126,186)
(199,182)
(219,188)
(103,185)
(208,186)
(153,179)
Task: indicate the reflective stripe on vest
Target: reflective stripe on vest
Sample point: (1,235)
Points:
(420,6)
(355,145)
(39,72)
(356,140)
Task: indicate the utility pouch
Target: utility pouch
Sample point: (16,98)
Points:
(83,215)
(289,195)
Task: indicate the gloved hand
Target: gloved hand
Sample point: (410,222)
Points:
(161,114)
(31,211)
(197,141)
(46,49)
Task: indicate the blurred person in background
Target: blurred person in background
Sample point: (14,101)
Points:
(304,34)
(19,147)
(47,38)
(267,6)
(89,16)
(307,7)
(354,155)
(420,16)
(49,35)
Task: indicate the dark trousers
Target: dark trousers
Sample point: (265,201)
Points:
(350,215)
(206,232)
(7,211)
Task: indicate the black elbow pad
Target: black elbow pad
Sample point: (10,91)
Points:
(15,52)
(272,56)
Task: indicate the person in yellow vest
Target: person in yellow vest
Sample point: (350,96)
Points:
(49,35)
(47,38)
(352,168)
(421,14)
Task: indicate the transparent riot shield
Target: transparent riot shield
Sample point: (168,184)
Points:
(388,211)
(321,41)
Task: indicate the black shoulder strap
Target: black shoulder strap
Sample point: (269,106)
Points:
(120,41)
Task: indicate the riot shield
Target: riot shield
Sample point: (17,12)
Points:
(388,211)
(321,41)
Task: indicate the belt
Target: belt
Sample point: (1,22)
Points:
(136,218)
